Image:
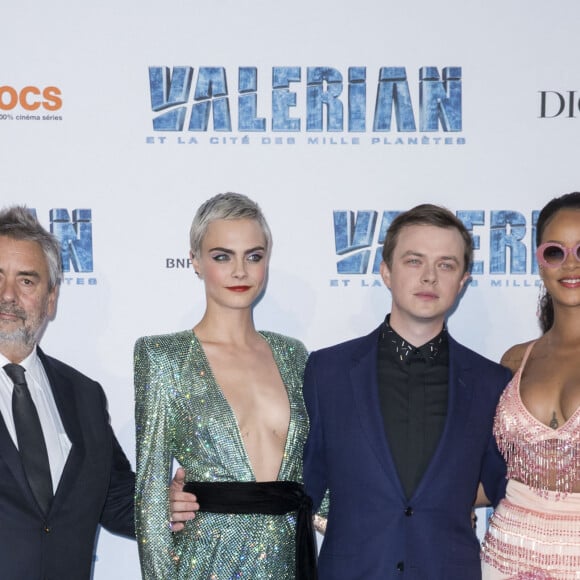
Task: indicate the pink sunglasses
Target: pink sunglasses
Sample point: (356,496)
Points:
(553,255)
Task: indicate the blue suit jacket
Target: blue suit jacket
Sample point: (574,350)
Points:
(374,532)
(96,487)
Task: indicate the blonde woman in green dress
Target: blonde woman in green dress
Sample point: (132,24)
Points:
(225,401)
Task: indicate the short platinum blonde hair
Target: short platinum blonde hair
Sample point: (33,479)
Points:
(226,206)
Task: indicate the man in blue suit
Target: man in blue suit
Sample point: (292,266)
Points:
(401,421)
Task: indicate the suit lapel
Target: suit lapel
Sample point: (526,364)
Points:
(363,380)
(10,456)
(459,404)
(66,403)
(460,393)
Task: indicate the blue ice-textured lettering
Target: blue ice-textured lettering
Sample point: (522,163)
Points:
(354,233)
(357,98)
(283,99)
(168,91)
(211,91)
(470,219)
(508,229)
(248,101)
(76,238)
(324,86)
(393,92)
(440,101)
(386,221)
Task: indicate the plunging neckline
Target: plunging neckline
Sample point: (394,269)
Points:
(234,418)
(518,377)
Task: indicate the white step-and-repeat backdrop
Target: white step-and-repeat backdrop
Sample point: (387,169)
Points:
(118,118)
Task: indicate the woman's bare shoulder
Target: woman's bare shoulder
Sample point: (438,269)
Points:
(513,356)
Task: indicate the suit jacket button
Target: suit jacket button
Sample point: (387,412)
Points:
(409,511)
(46,530)
(400,566)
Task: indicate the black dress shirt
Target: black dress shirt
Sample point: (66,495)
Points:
(413,392)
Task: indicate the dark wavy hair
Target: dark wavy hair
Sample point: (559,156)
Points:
(566,201)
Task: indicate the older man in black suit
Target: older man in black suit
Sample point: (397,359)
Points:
(62,471)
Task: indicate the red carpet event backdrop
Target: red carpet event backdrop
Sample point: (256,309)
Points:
(117,119)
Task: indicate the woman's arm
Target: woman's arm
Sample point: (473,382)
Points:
(154,537)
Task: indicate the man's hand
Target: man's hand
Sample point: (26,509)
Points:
(182,505)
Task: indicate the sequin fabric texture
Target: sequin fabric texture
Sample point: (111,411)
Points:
(181,413)
(536,454)
(536,528)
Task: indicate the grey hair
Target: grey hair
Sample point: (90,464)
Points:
(226,206)
(18,222)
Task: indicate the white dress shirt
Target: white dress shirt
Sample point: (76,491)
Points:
(58,444)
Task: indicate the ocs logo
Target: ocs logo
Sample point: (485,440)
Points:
(76,239)
(359,238)
(30,98)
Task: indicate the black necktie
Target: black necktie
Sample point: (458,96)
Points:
(31,444)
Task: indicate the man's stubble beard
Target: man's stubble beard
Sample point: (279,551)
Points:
(28,334)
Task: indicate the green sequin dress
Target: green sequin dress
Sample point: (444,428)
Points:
(181,413)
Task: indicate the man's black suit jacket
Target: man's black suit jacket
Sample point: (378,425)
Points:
(96,487)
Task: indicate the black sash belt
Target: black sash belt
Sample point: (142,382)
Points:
(264,497)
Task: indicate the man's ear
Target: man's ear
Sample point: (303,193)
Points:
(463,280)
(52,302)
(385,274)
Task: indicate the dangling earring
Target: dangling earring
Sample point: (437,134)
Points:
(542,293)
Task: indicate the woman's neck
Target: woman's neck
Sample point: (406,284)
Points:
(231,327)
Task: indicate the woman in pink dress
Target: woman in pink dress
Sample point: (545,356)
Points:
(535,531)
